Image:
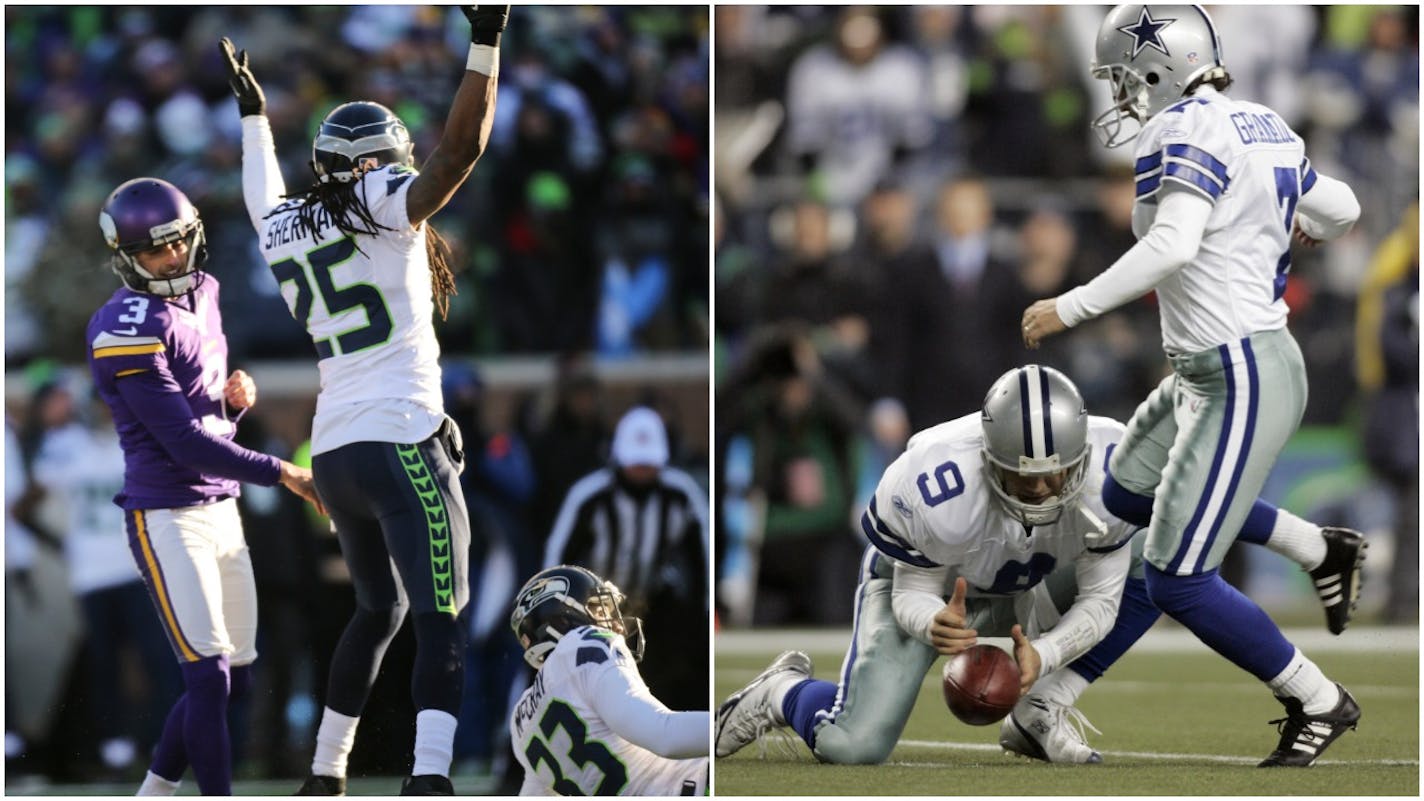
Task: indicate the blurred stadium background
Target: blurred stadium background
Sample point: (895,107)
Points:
(583,237)
(894,185)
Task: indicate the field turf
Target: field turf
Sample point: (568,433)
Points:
(1176,720)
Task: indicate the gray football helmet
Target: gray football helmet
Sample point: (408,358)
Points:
(1035,424)
(1150,55)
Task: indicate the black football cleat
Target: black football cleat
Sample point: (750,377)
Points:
(323,785)
(427,784)
(1305,737)
(1339,577)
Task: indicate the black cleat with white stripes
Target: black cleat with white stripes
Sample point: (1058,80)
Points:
(1305,737)
(1338,578)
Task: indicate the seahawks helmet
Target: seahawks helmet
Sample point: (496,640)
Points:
(560,599)
(1150,55)
(146,213)
(358,137)
(1035,424)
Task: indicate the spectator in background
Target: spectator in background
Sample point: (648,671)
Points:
(854,107)
(810,285)
(796,422)
(1387,361)
(571,443)
(643,525)
(80,467)
(1047,250)
(636,241)
(882,440)
(956,318)
(96,89)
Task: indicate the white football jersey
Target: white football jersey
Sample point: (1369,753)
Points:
(933,508)
(366,303)
(567,748)
(82,470)
(1245,160)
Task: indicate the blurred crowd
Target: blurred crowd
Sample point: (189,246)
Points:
(583,228)
(89,674)
(895,185)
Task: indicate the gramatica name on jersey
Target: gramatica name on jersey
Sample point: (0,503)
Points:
(530,703)
(289,227)
(1261,128)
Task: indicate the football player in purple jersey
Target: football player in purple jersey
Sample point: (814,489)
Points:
(159,361)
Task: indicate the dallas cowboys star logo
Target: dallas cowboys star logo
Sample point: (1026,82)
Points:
(1147,32)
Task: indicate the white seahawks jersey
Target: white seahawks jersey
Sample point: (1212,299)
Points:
(933,508)
(566,747)
(366,303)
(82,470)
(1245,160)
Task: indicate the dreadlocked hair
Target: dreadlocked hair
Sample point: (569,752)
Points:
(338,204)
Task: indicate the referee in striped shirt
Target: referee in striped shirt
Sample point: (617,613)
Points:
(643,526)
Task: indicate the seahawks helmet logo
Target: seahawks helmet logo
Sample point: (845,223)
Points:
(539,592)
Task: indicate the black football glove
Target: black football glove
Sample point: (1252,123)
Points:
(250,99)
(486,23)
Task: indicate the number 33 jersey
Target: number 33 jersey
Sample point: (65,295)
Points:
(560,728)
(933,508)
(366,303)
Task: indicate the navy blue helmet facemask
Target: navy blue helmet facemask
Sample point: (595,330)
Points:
(558,600)
(358,137)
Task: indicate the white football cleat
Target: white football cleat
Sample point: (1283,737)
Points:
(1040,729)
(748,713)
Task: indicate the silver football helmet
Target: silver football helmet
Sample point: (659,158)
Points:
(1035,426)
(1150,55)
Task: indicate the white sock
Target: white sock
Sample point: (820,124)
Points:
(1304,681)
(434,742)
(1297,540)
(776,693)
(334,738)
(153,784)
(1061,687)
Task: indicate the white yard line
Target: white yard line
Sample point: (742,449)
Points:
(1233,760)
(1161,639)
(1108,685)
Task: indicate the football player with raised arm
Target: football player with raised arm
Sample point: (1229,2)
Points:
(1223,186)
(588,725)
(159,362)
(362,269)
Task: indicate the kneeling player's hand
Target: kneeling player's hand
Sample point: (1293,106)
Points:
(949,633)
(1027,656)
(240,391)
(299,480)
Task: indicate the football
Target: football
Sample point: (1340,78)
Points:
(981,685)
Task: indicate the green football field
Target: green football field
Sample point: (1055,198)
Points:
(1176,720)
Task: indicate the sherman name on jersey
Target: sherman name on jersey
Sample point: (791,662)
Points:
(566,746)
(932,508)
(371,324)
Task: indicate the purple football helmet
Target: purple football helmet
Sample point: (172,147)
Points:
(146,213)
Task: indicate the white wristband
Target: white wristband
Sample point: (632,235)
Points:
(483,59)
